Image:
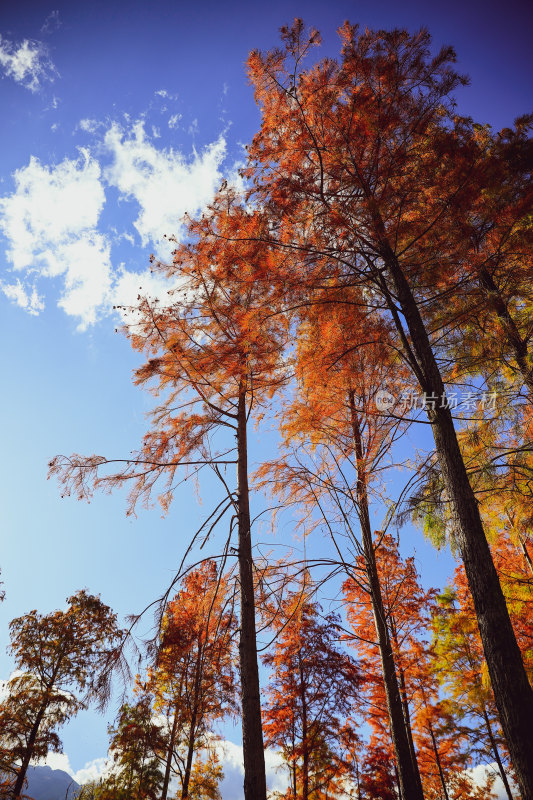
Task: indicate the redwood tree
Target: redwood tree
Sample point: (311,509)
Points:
(214,355)
(193,679)
(363,184)
(311,696)
(339,447)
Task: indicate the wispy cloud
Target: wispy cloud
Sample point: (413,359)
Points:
(163,182)
(52,221)
(51,23)
(27,62)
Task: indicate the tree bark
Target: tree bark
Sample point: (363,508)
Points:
(439,765)
(497,756)
(168,764)
(305,742)
(512,692)
(525,551)
(407,767)
(252,730)
(194,717)
(406,714)
(21,775)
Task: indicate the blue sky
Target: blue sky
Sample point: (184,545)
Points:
(116,119)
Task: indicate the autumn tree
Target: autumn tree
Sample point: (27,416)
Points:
(59,661)
(310,697)
(459,666)
(214,358)
(439,743)
(406,614)
(93,790)
(206,774)
(338,448)
(193,680)
(364,165)
(136,739)
(495,258)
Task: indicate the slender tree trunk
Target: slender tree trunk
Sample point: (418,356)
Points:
(252,730)
(358,781)
(406,714)
(305,741)
(194,718)
(168,765)
(512,692)
(408,774)
(398,784)
(525,551)
(497,756)
(21,775)
(439,765)
(517,345)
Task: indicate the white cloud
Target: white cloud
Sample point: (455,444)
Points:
(31,302)
(27,62)
(129,285)
(231,758)
(174,121)
(230,755)
(50,205)
(92,770)
(480,773)
(163,182)
(166,95)
(89,125)
(50,223)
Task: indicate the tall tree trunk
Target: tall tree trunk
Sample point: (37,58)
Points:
(28,753)
(512,692)
(525,551)
(194,719)
(408,774)
(305,741)
(439,765)
(170,753)
(398,784)
(252,730)
(406,713)
(496,754)
(172,742)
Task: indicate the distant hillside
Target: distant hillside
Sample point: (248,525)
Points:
(45,783)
